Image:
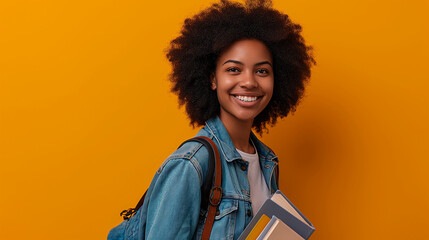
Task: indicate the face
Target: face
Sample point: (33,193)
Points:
(243,80)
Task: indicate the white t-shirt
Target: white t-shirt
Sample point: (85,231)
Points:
(258,187)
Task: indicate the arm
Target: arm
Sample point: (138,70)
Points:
(174,206)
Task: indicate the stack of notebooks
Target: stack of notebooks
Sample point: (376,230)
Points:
(278,219)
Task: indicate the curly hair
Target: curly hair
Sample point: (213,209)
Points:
(193,55)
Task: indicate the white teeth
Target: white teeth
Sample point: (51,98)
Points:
(246,98)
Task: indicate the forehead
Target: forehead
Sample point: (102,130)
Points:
(248,51)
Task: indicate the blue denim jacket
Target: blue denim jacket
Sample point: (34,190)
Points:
(172,209)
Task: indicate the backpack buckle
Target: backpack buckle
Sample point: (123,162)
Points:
(126,214)
(216,195)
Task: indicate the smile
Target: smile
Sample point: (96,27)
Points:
(246,98)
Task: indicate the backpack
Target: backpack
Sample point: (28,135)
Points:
(132,228)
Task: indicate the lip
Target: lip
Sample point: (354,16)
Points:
(246,94)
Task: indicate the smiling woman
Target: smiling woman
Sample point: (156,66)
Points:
(236,68)
(244,82)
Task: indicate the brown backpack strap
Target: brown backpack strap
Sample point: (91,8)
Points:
(215,196)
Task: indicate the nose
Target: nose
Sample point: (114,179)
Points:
(248,80)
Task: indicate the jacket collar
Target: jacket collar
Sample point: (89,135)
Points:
(226,147)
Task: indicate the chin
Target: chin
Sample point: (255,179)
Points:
(246,117)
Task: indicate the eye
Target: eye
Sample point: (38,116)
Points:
(233,70)
(263,71)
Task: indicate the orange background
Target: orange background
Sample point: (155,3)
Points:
(85,105)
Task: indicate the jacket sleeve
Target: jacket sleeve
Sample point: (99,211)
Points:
(174,207)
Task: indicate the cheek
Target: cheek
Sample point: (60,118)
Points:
(268,87)
(224,83)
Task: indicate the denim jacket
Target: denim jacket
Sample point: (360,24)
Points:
(172,209)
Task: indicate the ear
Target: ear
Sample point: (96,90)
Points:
(213,81)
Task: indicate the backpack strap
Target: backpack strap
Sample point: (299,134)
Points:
(211,190)
(212,187)
(215,195)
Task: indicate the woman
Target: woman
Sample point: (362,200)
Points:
(235,68)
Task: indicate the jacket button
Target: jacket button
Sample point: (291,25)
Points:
(249,213)
(243,167)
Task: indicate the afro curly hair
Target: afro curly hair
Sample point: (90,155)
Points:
(194,53)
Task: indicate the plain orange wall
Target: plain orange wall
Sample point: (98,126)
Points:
(85,105)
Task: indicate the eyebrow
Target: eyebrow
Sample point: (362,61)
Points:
(257,64)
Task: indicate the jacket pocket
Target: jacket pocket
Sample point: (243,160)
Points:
(226,207)
(225,219)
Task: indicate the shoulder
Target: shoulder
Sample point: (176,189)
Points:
(190,153)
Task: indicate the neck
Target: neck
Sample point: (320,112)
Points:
(239,132)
